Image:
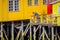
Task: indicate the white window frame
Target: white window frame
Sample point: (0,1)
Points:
(29,2)
(45,2)
(36,2)
(13,6)
(9,5)
(51,1)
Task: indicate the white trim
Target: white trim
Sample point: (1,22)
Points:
(36,2)
(9,5)
(13,5)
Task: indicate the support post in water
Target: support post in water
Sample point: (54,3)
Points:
(12,31)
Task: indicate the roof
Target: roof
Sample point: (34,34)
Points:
(55,2)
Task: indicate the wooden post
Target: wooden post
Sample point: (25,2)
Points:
(43,33)
(34,33)
(22,31)
(52,33)
(1,31)
(39,30)
(30,33)
(12,31)
(56,33)
(7,33)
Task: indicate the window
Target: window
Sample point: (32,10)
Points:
(59,9)
(29,2)
(10,5)
(35,2)
(44,2)
(13,5)
(16,5)
(51,1)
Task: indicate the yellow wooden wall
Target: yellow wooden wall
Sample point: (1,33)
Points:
(55,11)
(28,10)
(11,16)
(0,10)
(25,11)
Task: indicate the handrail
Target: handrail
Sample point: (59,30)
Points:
(49,19)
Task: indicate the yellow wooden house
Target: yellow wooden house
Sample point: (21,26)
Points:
(56,10)
(13,10)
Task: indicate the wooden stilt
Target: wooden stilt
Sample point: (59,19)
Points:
(30,33)
(12,31)
(52,33)
(1,31)
(34,33)
(22,31)
(43,33)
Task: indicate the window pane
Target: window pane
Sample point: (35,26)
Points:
(51,1)
(13,5)
(16,3)
(29,2)
(10,9)
(35,2)
(44,1)
(10,5)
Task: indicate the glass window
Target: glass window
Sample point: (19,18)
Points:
(44,2)
(51,1)
(35,2)
(16,5)
(13,5)
(10,5)
(29,2)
